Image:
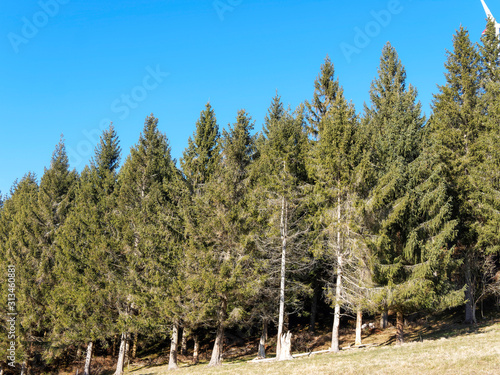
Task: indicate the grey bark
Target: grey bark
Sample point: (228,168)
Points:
(196,349)
(314,311)
(121,355)
(216,359)
(338,289)
(399,328)
(263,338)
(284,237)
(285,347)
(172,361)
(384,319)
(359,322)
(88,358)
(185,334)
(470,303)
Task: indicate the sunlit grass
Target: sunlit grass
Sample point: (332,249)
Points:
(470,353)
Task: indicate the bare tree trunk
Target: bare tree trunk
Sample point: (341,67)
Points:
(338,288)
(359,322)
(196,349)
(23,368)
(284,232)
(383,319)
(470,303)
(263,338)
(314,311)
(115,338)
(185,334)
(121,355)
(216,359)
(399,328)
(127,351)
(134,346)
(286,346)
(88,358)
(172,361)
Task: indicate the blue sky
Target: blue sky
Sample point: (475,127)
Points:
(72,66)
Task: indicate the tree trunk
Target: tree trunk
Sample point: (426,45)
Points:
(126,361)
(172,361)
(314,310)
(286,346)
(359,322)
(88,358)
(284,232)
(263,338)
(196,349)
(121,355)
(23,368)
(470,303)
(185,334)
(383,319)
(338,289)
(115,338)
(399,328)
(216,359)
(134,346)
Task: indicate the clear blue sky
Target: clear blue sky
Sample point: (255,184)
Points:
(69,66)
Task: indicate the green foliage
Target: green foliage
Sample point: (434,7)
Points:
(200,158)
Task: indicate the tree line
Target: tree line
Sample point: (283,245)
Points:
(374,212)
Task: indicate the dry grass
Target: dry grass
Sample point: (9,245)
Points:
(443,350)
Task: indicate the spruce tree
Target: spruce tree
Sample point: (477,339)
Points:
(454,129)
(412,266)
(21,233)
(83,297)
(200,158)
(281,175)
(333,165)
(152,232)
(220,247)
(325,92)
(485,169)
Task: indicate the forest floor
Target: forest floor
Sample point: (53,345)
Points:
(432,346)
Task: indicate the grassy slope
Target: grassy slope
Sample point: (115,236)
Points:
(449,350)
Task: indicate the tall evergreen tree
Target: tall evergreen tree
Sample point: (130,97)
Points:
(282,174)
(453,131)
(220,248)
(412,265)
(485,169)
(152,234)
(200,158)
(333,165)
(326,88)
(82,299)
(20,236)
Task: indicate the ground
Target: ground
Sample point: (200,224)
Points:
(431,347)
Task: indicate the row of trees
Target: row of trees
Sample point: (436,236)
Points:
(378,212)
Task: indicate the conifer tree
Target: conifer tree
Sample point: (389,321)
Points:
(220,248)
(281,172)
(200,158)
(485,169)
(412,264)
(89,243)
(453,131)
(333,166)
(325,92)
(20,231)
(152,234)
